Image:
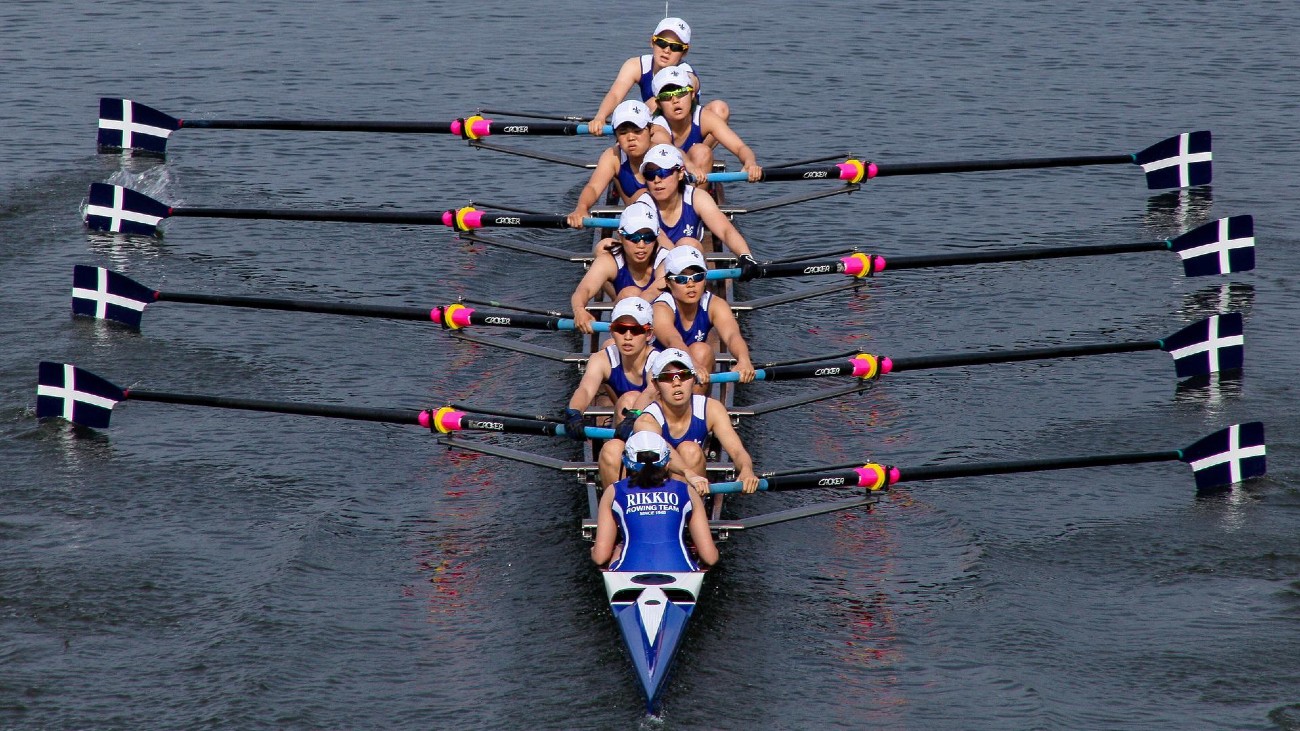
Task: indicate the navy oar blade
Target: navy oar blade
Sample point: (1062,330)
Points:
(1227,456)
(1214,344)
(106,295)
(1181,161)
(1218,247)
(76,395)
(121,210)
(128,125)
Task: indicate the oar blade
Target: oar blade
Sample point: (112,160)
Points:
(74,394)
(1214,344)
(128,125)
(1228,456)
(106,295)
(1218,247)
(1181,161)
(121,210)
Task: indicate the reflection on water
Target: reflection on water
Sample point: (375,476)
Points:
(1218,299)
(1179,210)
(1211,391)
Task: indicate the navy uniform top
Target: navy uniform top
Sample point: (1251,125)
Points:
(699,328)
(697,432)
(624,277)
(618,380)
(652,521)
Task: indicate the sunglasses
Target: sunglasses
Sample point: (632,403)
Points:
(675,376)
(639,237)
(673,46)
(624,329)
(687,278)
(664,96)
(653,173)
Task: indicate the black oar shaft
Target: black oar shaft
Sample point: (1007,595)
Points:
(511,319)
(991,257)
(938,472)
(327,308)
(816,479)
(798,269)
(813,370)
(310,125)
(811,172)
(951,360)
(389,416)
(971,166)
(362,216)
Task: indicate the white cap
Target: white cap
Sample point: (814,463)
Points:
(646,441)
(667,357)
(682,258)
(663,157)
(677,27)
(631,111)
(637,216)
(671,76)
(635,308)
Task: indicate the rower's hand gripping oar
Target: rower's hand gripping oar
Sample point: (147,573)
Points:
(1180,161)
(1224,246)
(1224,458)
(83,398)
(119,209)
(108,295)
(129,125)
(1214,344)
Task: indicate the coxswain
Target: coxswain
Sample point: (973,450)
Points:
(668,47)
(687,314)
(685,420)
(690,124)
(651,511)
(628,265)
(634,135)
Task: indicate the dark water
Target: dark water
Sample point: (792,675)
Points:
(193,568)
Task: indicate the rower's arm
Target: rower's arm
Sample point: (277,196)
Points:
(724,321)
(627,77)
(718,223)
(666,328)
(719,422)
(597,371)
(606,529)
(602,270)
(606,169)
(712,124)
(701,536)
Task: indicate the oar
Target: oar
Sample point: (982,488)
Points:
(122,210)
(1224,458)
(108,295)
(81,397)
(128,125)
(1218,247)
(1208,346)
(1178,162)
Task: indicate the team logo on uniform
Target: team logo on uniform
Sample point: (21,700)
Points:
(688,230)
(699,337)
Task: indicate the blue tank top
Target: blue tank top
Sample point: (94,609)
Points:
(647,77)
(697,432)
(618,381)
(689,224)
(694,137)
(624,277)
(700,327)
(628,184)
(652,521)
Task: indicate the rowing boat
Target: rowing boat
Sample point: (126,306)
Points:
(653,609)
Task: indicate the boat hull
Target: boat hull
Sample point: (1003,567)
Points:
(652,610)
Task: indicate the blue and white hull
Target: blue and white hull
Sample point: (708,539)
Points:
(652,610)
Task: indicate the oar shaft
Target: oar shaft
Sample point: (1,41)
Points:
(319,125)
(971,166)
(326,308)
(859,477)
(990,257)
(938,472)
(923,362)
(290,214)
(390,416)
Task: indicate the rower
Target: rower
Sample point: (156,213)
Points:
(687,314)
(629,265)
(621,164)
(651,510)
(685,420)
(668,47)
(690,124)
(685,211)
